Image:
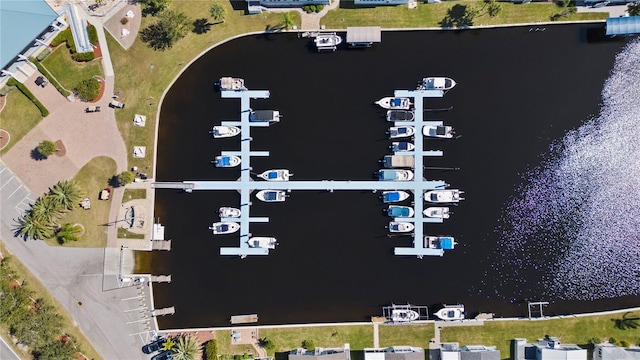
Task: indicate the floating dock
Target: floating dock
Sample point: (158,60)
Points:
(162,312)
(423,311)
(244,319)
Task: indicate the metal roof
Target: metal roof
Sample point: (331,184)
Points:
(623,25)
(363,34)
(21,21)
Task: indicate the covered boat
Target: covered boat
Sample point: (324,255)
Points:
(270,116)
(327,41)
(400,115)
(443,196)
(275,175)
(398,161)
(262,242)
(224,228)
(444,132)
(451,312)
(437,83)
(227,161)
(400,211)
(396,132)
(439,242)
(393,103)
(404,315)
(231,83)
(438,212)
(272,195)
(224,131)
(229,212)
(402,146)
(394,175)
(394,196)
(400,227)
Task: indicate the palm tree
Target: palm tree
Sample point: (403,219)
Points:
(628,321)
(45,210)
(47,148)
(217,12)
(287,20)
(66,194)
(169,344)
(68,232)
(634,8)
(31,228)
(188,348)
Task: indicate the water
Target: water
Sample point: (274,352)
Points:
(519,94)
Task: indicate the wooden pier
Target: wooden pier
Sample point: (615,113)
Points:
(161,245)
(160,278)
(172,185)
(162,312)
(244,319)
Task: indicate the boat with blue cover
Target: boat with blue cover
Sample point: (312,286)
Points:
(400,227)
(224,228)
(400,211)
(397,146)
(272,195)
(396,132)
(394,175)
(275,175)
(394,196)
(227,161)
(439,242)
(394,103)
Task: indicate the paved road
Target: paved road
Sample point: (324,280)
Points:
(6,352)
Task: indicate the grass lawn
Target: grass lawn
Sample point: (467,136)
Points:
(18,117)
(133,194)
(412,335)
(569,330)
(225,347)
(68,71)
(67,323)
(126,234)
(429,15)
(92,178)
(285,339)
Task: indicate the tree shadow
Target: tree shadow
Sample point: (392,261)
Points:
(113,181)
(459,16)
(201,26)
(36,155)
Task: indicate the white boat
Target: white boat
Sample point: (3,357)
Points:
(327,41)
(272,195)
(227,161)
(262,242)
(437,83)
(396,132)
(224,228)
(393,103)
(400,227)
(439,242)
(394,175)
(400,115)
(402,146)
(275,175)
(229,212)
(404,315)
(394,196)
(231,83)
(443,196)
(270,116)
(451,312)
(444,132)
(224,131)
(400,211)
(437,212)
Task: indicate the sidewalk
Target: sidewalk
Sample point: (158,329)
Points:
(309,21)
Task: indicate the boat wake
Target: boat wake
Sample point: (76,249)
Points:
(576,223)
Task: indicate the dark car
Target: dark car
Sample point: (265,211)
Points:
(165,355)
(153,346)
(41,81)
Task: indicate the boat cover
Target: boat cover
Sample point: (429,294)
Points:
(272,175)
(396,102)
(271,195)
(387,175)
(446,243)
(392,196)
(398,212)
(262,115)
(441,130)
(403,146)
(225,160)
(223,227)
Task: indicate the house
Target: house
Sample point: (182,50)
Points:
(394,353)
(608,351)
(548,348)
(321,353)
(258,6)
(379,2)
(453,351)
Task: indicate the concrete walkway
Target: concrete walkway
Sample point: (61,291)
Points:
(309,21)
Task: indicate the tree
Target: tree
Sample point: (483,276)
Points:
(66,194)
(217,12)
(459,16)
(201,26)
(56,350)
(634,9)
(45,210)
(171,27)
(153,7)
(287,20)
(47,148)
(309,345)
(168,345)
(68,232)
(125,178)
(267,344)
(491,7)
(187,348)
(628,321)
(88,89)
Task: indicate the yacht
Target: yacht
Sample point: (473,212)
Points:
(327,41)
(272,195)
(394,196)
(270,116)
(402,146)
(393,103)
(437,212)
(439,242)
(394,175)
(396,132)
(451,312)
(224,228)
(224,131)
(227,161)
(437,83)
(229,212)
(404,315)
(275,175)
(262,242)
(231,83)
(400,115)
(443,196)
(400,227)
(400,211)
(444,132)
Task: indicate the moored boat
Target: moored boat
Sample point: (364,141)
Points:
(270,116)
(443,196)
(437,83)
(400,211)
(272,195)
(400,227)
(444,132)
(393,103)
(394,175)
(222,131)
(400,115)
(451,312)
(396,132)
(275,175)
(231,83)
(397,146)
(224,228)
(439,242)
(227,161)
(404,315)
(394,196)
(438,212)
(262,242)
(327,41)
(229,212)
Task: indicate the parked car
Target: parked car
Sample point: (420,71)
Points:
(91,109)
(153,346)
(116,104)
(165,355)
(41,81)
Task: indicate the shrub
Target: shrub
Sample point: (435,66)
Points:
(125,177)
(310,8)
(80,57)
(211,350)
(319,7)
(124,21)
(43,110)
(6,89)
(61,37)
(309,345)
(43,54)
(88,89)
(47,148)
(624,343)
(93,34)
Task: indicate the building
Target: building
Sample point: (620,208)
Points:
(379,2)
(608,351)
(258,6)
(321,354)
(394,353)
(548,348)
(453,351)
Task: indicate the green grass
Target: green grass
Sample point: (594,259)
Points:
(429,15)
(69,72)
(126,234)
(92,178)
(225,347)
(18,117)
(285,339)
(67,323)
(569,330)
(412,335)
(133,194)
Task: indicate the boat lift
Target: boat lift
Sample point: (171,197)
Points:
(423,311)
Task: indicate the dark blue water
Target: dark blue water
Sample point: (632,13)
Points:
(518,91)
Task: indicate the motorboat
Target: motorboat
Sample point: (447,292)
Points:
(327,41)
(393,103)
(451,312)
(270,116)
(400,115)
(394,175)
(404,315)
(275,175)
(222,131)
(394,196)
(444,132)
(396,132)
(400,227)
(400,211)
(262,242)
(437,83)
(227,161)
(272,195)
(231,83)
(229,212)
(398,161)
(439,242)
(224,228)
(437,212)
(402,146)
(443,196)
